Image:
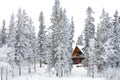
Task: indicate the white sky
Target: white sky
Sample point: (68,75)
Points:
(75,8)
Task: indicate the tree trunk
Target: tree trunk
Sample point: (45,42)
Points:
(92,71)
(40,63)
(29,68)
(34,65)
(19,70)
(12,72)
(6,73)
(49,72)
(1,73)
(57,73)
(61,72)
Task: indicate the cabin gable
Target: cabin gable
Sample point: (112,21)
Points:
(77,56)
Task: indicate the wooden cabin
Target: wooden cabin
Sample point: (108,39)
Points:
(77,56)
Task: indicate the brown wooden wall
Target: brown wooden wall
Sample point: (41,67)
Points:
(77,56)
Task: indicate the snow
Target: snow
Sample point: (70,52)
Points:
(78,73)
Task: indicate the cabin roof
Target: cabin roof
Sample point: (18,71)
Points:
(77,51)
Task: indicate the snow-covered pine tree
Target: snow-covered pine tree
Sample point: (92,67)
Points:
(91,65)
(80,40)
(62,45)
(113,60)
(59,47)
(49,57)
(72,34)
(5,51)
(18,53)
(12,30)
(69,28)
(89,33)
(0,38)
(116,40)
(102,32)
(32,48)
(55,22)
(41,39)
(109,56)
(3,34)
(22,46)
(33,44)
(61,40)
(11,42)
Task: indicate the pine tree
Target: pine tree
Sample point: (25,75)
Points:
(31,57)
(41,39)
(55,22)
(91,64)
(0,38)
(11,42)
(62,37)
(18,53)
(72,34)
(33,44)
(3,34)
(102,32)
(89,30)
(12,30)
(113,60)
(116,40)
(80,40)
(22,46)
(89,33)
(48,52)
(4,60)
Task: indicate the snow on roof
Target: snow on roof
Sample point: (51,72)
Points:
(80,47)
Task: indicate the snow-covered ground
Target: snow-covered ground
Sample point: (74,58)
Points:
(78,73)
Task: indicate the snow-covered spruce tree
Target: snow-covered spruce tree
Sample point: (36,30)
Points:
(0,38)
(55,22)
(109,57)
(33,45)
(41,40)
(91,59)
(80,40)
(72,34)
(32,48)
(22,45)
(60,40)
(89,33)
(5,51)
(113,51)
(12,31)
(62,46)
(48,52)
(11,42)
(69,41)
(102,32)
(18,52)
(3,34)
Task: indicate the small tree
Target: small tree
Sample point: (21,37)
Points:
(3,34)
(48,52)
(12,32)
(80,40)
(91,64)
(41,39)
(4,59)
(89,33)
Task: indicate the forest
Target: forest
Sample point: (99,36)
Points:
(21,46)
